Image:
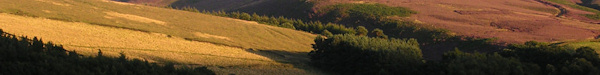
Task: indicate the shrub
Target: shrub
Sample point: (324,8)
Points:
(361,31)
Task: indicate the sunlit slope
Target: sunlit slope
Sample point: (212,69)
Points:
(192,26)
(87,39)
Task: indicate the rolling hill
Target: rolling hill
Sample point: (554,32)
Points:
(225,45)
(511,21)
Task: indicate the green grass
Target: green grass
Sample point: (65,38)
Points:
(593,44)
(369,10)
(576,6)
(176,23)
(573,5)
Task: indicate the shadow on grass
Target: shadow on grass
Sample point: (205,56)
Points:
(299,60)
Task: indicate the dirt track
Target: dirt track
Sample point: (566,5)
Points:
(562,9)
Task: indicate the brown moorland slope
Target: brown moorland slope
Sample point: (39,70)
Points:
(511,21)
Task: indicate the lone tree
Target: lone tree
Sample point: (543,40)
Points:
(361,31)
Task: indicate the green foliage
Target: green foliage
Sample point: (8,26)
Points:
(190,9)
(563,60)
(366,10)
(314,27)
(475,43)
(407,29)
(586,6)
(460,63)
(592,16)
(24,56)
(379,33)
(351,54)
(361,31)
(395,29)
(326,33)
(574,5)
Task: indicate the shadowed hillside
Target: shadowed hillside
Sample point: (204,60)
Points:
(288,8)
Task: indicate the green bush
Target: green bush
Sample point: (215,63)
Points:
(361,31)
(351,54)
(460,63)
(557,59)
(24,56)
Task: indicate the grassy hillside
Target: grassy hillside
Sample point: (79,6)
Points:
(23,55)
(87,39)
(161,35)
(192,26)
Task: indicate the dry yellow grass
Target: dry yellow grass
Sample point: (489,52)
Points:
(135,18)
(200,34)
(87,39)
(171,22)
(55,3)
(167,38)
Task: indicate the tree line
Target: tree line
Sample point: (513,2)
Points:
(351,54)
(25,56)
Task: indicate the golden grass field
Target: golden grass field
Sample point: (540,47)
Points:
(155,47)
(165,21)
(161,35)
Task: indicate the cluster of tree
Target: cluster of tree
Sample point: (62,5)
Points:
(313,26)
(24,56)
(350,54)
(353,12)
(376,16)
(556,59)
(395,28)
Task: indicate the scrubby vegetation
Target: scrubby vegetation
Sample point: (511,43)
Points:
(24,56)
(352,12)
(584,6)
(350,54)
(396,29)
(371,13)
(556,59)
(314,27)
